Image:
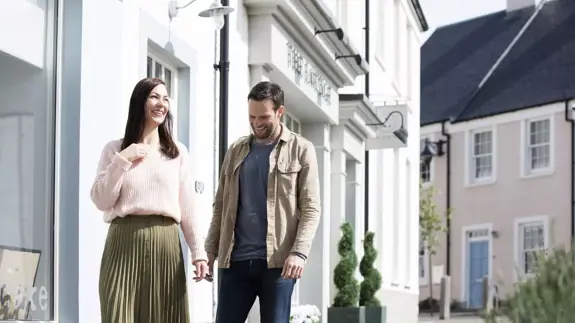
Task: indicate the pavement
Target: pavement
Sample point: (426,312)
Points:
(453,319)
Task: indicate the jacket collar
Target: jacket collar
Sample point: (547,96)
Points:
(285,136)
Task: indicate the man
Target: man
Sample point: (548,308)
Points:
(266,213)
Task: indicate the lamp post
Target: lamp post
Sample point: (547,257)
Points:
(219,12)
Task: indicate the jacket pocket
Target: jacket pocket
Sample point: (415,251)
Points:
(287,177)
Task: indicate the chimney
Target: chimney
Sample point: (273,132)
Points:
(520,4)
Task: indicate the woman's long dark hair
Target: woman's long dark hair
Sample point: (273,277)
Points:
(137,119)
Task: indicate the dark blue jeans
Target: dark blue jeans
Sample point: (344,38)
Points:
(242,282)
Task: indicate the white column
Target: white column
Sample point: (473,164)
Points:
(314,286)
(338,197)
(354,206)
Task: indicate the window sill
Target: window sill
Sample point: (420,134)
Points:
(538,173)
(426,185)
(481,182)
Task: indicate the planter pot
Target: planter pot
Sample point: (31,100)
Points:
(375,315)
(346,315)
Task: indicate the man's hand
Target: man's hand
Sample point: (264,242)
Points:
(211,259)
(201,270)
(293,267)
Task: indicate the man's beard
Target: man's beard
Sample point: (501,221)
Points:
(263,133)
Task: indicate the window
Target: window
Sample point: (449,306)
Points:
(532,240)
(291,123)
(482,155)
(423,265)
(160,69)
(538,150)
(27,148)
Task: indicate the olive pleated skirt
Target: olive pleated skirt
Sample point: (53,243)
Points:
(142,275)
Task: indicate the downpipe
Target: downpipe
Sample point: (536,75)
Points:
(447,136)
(572,122)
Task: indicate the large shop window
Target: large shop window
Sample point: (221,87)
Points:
(27,114)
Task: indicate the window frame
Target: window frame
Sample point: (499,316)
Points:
(173,86)
(292,119)
(423,281)
(525,154)
(519,224)
(470,178)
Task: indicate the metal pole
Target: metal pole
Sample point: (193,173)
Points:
(224,66)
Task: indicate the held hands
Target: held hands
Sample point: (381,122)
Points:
(134,152)
(293,267)
(211,259)
(201,271)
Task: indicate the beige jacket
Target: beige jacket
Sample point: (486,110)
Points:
(293,200)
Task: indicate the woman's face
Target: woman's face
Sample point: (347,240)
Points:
(157,106)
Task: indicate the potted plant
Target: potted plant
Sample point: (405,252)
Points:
(305,314)
(544,296)
(374,312)
(345,307)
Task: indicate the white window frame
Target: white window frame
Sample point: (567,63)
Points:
(431,138)
(173,85)
(525,154)
(470,179)
(289,120)
(519,224)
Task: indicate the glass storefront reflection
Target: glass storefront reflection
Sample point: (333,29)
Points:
(26,179)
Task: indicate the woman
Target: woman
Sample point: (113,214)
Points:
(145,188)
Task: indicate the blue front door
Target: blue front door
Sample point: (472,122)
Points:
(478,267)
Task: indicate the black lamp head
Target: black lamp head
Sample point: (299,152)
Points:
(339,33)
(431,149)
(401,134)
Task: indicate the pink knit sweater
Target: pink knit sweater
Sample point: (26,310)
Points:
(154,185)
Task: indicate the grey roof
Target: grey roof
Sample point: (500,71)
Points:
(539,69)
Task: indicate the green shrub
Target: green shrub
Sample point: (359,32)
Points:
(548,296)
(371,277)
(343,274)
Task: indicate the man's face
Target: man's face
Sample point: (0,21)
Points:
(263,119)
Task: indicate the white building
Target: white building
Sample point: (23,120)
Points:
(67,69)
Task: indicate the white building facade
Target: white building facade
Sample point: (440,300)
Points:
(67,71)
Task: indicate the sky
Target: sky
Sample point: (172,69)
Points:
(445,12)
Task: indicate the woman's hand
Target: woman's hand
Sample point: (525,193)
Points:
(201,270)
(134,152)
